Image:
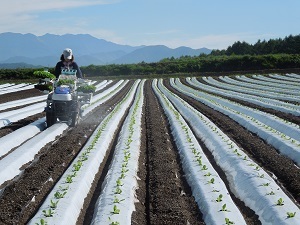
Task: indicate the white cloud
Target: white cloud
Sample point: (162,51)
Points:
(21,16)
(15,7)
(18,15)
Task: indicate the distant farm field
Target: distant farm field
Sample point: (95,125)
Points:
(197,150)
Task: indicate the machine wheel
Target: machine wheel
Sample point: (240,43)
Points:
(74,119)
(50,119)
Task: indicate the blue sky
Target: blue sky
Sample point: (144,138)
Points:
(214,24)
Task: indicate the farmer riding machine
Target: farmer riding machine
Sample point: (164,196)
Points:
(68,95)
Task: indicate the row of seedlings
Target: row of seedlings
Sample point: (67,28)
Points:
(282,134)
(116,201)
(209,190)
(65,201)
(248,181)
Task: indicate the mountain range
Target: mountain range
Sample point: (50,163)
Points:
(29,50)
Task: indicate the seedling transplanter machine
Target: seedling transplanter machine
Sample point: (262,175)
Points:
(65,101)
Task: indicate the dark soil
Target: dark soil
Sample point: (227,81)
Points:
(20,95)
(165,196)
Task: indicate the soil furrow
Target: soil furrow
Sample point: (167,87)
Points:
(169,199)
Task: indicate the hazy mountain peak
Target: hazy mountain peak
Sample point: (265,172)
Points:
(46,50)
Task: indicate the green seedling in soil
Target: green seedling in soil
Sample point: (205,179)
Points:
(122,176)
(280,202)
(77,166)
(64,188)
(290,214)
(124,170)
(119,182)
(228,221)
(59,195)
(74,174)
(224,209)
(199,161)
(115,223)
(197,154)
(42,222)
(118,190)
(261,176)
(48,213)
(116,210)
(266,184)
(204,167)
(271,193)
(212,181)
(208,174)
(83,158)
(216,191)
(69,179)
(117,200)
(127,157)
(219,199)
(53,204)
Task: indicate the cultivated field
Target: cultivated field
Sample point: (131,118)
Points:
(205,150)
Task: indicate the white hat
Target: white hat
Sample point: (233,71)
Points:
(67,53)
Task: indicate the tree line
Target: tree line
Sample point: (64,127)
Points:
(288,45)
(263,55)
